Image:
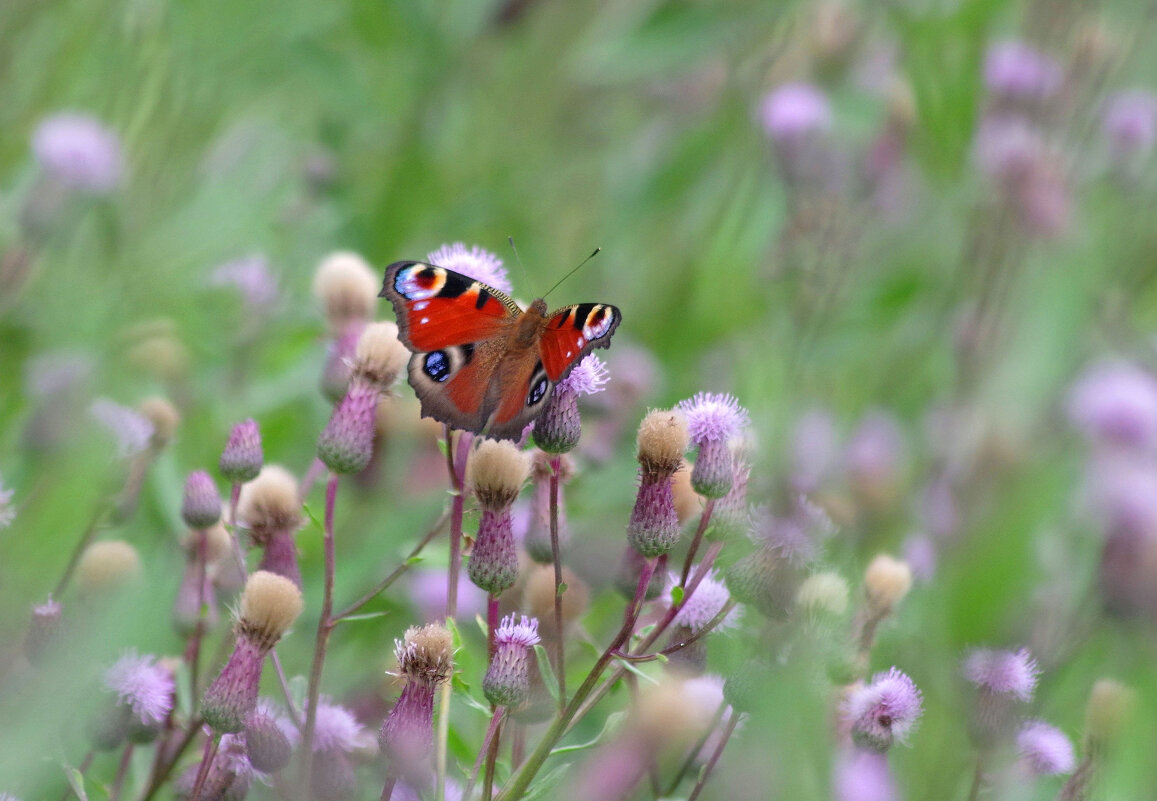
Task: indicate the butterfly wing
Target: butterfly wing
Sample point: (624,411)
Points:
(574,331)
(456,328)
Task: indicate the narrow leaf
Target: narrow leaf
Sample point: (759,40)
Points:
(548,677)
(612,723)
(365,616)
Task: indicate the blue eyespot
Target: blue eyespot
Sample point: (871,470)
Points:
(537,392)
(436,366)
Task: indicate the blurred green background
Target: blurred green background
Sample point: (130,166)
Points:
(294,128)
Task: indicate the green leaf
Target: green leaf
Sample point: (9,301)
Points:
(365,616)
(76,781)
(313,518)
(548,677)
(545,783)
(613,721)
(676,595)
(561,587)
(630,666)
(413,560)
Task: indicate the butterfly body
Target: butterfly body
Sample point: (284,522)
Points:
(480,363)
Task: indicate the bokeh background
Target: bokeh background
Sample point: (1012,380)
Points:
(897,233)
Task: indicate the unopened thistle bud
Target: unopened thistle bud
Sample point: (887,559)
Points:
(242,458)
(107,565)
(347,443)
(886,582)
(712,421)
(653,529)
(537,538)
(347,289)
(883,712)
(558,428)
(270,507)
(201,505)
(496,471)
(269,606)
(425,661)
(507,681)
(538,597)
(269,738)
(196,590)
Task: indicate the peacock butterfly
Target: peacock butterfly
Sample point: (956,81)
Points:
(480,363)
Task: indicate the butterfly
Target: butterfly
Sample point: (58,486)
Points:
(480,362)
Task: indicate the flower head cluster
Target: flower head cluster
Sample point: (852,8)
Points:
(884,711)
(476,263)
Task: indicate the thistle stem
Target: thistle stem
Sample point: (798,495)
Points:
(559,641)
(491,730)
(206,761)
(704,519)
(728,730)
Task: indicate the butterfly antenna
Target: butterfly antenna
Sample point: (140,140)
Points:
(572,272)
(518,258)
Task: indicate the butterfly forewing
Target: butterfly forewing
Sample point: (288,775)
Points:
(572,332)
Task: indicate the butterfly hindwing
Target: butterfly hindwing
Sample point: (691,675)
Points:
(438,308)
(572,332)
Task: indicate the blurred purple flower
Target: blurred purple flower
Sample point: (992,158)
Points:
(1116,403)
(862,776)
(883,712)
(142,685)
(251,277)
(1019,71)
(1130,122)
(56,372)
(1004,673)
(79,151)
(704,604)
(920,554)
(814,449)
(794,111)
(476,263)
(428,592)
(1123,493)
(1007,146)
(336,729)
(131,429)
(1045,749)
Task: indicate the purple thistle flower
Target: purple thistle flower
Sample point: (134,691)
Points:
(713,420)
(1019,71)
(79,151)
(336,729)
(507,680)
(875,456)
(863,776)
(131,429)
(251,277)
(1045,749)
(558,428)
(794,111)
(144,687)
(476,263)
(1130,122)
(201,505)
(7,508)
(1116,403)
(242,458)
(1006,673)
(704,604)
(883,712)
(589,377)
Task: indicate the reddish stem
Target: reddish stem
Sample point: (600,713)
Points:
(559,641)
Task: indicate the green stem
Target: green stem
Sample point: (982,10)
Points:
(559,641)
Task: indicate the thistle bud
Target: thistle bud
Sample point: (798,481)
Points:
(242,458)
(270,507)
(558,428)
(507,681)
(496,470)
(201,506)
(713,420)
(407,734)
(269,738)
(269,606)
(653,529)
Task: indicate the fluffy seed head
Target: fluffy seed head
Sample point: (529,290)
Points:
(242,458)
(201,505)
(425,654)
(497,470)
(379,355)
(825,593)
(218,543)
(164,417)
(347,289)
(476,263)
(269,606)
(107,565)
(1045,749)
(662,440)
(1110,705)
(886,582)
(270,502)
(884,711)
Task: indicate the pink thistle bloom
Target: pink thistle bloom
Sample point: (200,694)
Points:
(507,680)
(1006,673)
(1018,70)
(883,712)
(1130,122)
(251,277)
(336,729)
(588,377)
(142,685)
(558,428)
(713,420)
(131,429)
(704,604)
(80,152)
(476,263)
(795,110)
(1045,749)
(1116,402)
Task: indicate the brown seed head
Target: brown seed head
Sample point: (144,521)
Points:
(426,654)
(164,417)
(662,440)
(269,605)
(107,565)
(347,289)
(497,470)
(270,502)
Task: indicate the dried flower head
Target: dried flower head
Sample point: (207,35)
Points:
(242,458)
(662,440)
(884,711)
(347,289)
(270,502)
(497,470)
(379,355)
(1045,749)
(425,654)
(886,582)
(477,263)
(80,152)
(107,565)
(269,606)
(164,417)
